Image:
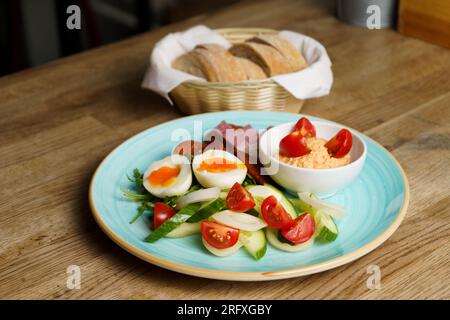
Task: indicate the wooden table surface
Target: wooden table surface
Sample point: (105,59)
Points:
(58,121)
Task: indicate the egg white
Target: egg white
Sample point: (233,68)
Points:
(223,180)
(181,183)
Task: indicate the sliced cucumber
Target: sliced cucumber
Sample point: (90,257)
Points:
(272,237)
(302,206)
(208,210)
(222,252)
(174,222)
(260,192)
(184,230)
(254,242)
(327,230)
(258,202)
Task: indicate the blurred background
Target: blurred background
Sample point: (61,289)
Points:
(33,32)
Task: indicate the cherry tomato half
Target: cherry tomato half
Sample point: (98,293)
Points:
(161,213)
(340,144)
(294,145)
(274,214)
(239,199)
(302,231)
(305,127)
(218,235)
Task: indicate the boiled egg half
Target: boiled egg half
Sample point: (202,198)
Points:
(218,168)
(168,177)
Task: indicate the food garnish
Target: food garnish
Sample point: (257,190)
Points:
(275,214)
(239,199)
(294,145)
(305,127)
(340,144)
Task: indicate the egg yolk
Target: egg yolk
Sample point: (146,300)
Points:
(216,165)
(163,176)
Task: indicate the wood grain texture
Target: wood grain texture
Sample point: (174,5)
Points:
(58,121)
(426,20)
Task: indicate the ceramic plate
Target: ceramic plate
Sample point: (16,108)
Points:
(376,204)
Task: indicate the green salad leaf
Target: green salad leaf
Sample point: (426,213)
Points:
(141,209)
(137,179)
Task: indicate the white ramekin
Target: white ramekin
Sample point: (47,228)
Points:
(323,182)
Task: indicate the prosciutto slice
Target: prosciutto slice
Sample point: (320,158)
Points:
(242,141)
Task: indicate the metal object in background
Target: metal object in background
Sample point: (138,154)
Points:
(355,12)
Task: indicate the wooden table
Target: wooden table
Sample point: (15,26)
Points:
(58,121)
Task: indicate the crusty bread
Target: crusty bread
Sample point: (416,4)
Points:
(285,47)
(255,59)
(206,61)
(251,69)
(220,64)
(268,58)
(211,62)
(189,63)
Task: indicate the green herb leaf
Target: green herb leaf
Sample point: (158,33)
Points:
(137,180)
(137,196)
(141,209)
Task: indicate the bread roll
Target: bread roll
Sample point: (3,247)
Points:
(251,69)
(285,47)
(206,62)
(268,58)
(189,63)
(220,65)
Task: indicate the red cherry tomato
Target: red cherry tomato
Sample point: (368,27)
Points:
(218,235)
(294,145)
(302,231)
(274,214)
(161,213)
(340,144)
(239,199)
(305,127)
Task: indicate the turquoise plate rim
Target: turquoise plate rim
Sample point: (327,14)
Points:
(253,275)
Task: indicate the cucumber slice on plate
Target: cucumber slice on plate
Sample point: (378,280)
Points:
(208,210)
(260,192)
(179,218)
(272,237)
(222,252)
(327,230)
(302,206)
(184,230)
(254,242)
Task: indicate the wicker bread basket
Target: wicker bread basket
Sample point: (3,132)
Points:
(197,96)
